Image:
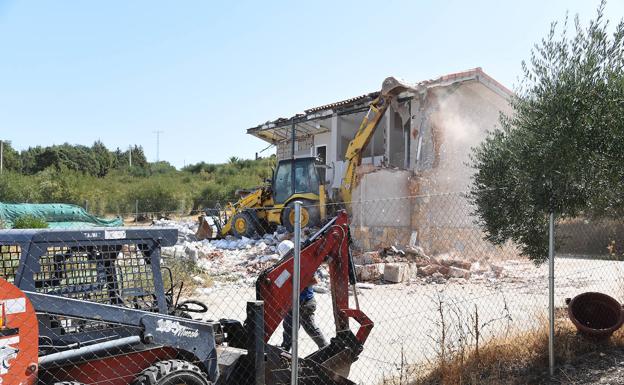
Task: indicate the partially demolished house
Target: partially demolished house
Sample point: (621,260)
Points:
(414,171)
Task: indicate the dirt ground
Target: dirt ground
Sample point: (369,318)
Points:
(597,368)
(407,316)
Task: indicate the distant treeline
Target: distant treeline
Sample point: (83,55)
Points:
(96,160)
(104,181)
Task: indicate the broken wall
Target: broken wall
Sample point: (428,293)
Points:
(381,209)
(448,124)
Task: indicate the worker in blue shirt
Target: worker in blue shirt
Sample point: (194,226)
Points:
(307,308)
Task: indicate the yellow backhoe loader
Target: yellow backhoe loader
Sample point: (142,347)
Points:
(260,211)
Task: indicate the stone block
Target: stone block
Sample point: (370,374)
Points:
(370,272)
(396,272)
(191,253)
(433,268)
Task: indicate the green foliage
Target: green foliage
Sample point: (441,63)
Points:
(29,222)
(10,158)
(112,187)
(562,148)
(96,160)
(161,167)
(200,167)
(154,197)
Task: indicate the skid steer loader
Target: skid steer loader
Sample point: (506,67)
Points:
(261,210)
(92,307)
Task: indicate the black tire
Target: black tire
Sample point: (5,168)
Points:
(68,383)
(172,372)
(310,213)
(243,225)
(268,227)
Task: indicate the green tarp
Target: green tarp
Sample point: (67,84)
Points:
(57,215)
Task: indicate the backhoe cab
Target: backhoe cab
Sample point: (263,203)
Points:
(262,210)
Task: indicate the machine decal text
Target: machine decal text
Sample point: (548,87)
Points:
(176,328)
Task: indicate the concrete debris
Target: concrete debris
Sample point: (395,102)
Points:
(371,272)
(457,272)
(186,228)
(230,261)
(437,278)
(433,269)
(233,261)
(396,272)
(367,258)
(363,285)
(397,251)
(451,262)
(477,268)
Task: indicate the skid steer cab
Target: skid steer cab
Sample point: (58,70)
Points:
(97,307)
(261,210)
(100,307)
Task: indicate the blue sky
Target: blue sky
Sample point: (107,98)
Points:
(203,72)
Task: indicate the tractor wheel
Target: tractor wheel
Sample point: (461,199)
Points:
(172,372)
(310,215)
(243,225)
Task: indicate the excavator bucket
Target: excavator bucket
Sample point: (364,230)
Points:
(392,86)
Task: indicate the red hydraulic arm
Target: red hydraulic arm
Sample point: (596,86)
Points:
(331,245)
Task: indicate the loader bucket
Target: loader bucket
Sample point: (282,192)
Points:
(210,223)
(328,366)
(204,230)
(310,373)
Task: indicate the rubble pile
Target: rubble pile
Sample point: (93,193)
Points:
(239,261)
(393,265)
(231,260)
(186,228)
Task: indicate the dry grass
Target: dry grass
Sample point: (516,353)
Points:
(520,358)
(185,273)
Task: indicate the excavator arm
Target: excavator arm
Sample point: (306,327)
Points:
(390,89)
(275,288)
(331,245)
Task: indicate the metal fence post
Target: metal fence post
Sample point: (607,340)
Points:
(136,210)
(551,294)
(255,329)
(294,376)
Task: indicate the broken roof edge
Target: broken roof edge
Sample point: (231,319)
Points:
(327,110)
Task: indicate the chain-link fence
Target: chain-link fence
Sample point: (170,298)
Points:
(394,292)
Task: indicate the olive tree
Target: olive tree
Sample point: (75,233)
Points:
(562,148)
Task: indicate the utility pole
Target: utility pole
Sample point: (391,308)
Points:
(158,132)
(130,156)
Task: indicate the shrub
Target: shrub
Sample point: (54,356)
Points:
(29,222)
